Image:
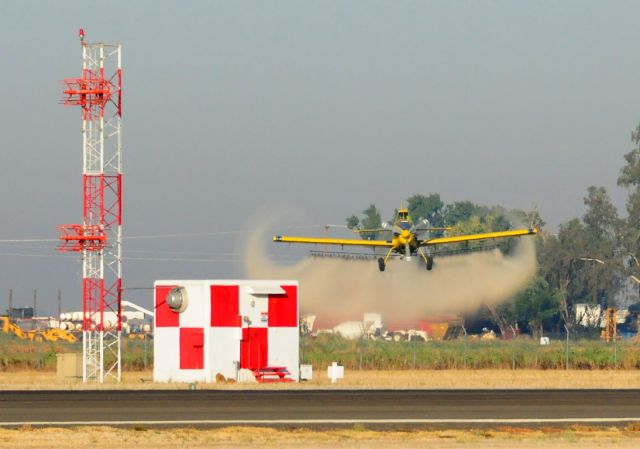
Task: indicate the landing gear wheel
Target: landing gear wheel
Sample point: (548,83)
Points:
(429,263)
(381,264)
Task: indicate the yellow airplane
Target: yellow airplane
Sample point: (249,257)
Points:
(405,240)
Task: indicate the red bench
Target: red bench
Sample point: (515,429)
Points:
(272,374)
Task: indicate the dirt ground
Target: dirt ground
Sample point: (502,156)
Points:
(430,379)
(244,437)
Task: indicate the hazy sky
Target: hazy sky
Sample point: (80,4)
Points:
(321,106)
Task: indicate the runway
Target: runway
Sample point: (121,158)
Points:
(320,408)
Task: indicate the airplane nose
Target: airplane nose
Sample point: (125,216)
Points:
(406,234)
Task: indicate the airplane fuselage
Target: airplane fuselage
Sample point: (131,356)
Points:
(404,241)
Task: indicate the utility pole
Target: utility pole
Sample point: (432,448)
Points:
(464,354)
(415,342)
(615,353)
(10,311)
(35,302)
(59,302)
(567,355)
(513,351)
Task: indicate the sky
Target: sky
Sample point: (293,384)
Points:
(232,108)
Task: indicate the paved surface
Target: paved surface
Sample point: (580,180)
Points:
(318,408)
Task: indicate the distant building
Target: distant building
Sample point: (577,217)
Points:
(588,315)
(592,315)
(17,313)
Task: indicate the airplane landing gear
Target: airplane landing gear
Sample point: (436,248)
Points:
(381,264)
(428,260)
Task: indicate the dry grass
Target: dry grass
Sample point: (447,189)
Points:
(430,379)
(244,437)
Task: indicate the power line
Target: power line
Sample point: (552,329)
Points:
(31,255)
(196,234)
(187,253)
(154,259)
(176,235)
(28,240)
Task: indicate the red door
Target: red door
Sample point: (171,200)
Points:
(191,348)
(253,348)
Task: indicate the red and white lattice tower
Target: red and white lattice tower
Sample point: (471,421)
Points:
(98,92)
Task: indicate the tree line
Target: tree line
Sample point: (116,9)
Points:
(588,261)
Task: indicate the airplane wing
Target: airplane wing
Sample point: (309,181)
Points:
(371,231)
(330,241)
(440,228)
(483,236)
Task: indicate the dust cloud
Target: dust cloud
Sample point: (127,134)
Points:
(337,289)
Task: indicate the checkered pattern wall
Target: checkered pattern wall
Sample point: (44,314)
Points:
(229,328)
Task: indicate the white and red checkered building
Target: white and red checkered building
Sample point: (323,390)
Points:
(229,327)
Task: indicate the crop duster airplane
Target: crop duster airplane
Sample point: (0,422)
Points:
(406,239)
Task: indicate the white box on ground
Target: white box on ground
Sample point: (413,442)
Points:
(306,372)
(335,372)
(544,341)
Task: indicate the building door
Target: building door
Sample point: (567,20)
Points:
(191,348)
(253,348)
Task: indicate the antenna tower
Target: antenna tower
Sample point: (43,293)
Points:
(98,92)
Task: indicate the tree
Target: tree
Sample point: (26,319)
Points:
(581,264)
(458,211)
(426,207)
(502,315)
(484,219)
(531,218)
(537,306)
(559,264)
(371,220)
(602,226)
(601,217)
(352,222)
(630,172)
(630,233)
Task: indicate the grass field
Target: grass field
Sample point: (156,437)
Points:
(517,354)
(244,437)
(523,353)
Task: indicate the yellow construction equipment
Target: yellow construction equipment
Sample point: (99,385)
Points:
(137,336)
(9,328)
(54,334)
(443,328)
(35,335)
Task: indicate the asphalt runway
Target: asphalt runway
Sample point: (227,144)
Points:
(320,408)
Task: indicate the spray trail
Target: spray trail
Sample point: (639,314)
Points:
(338,290)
